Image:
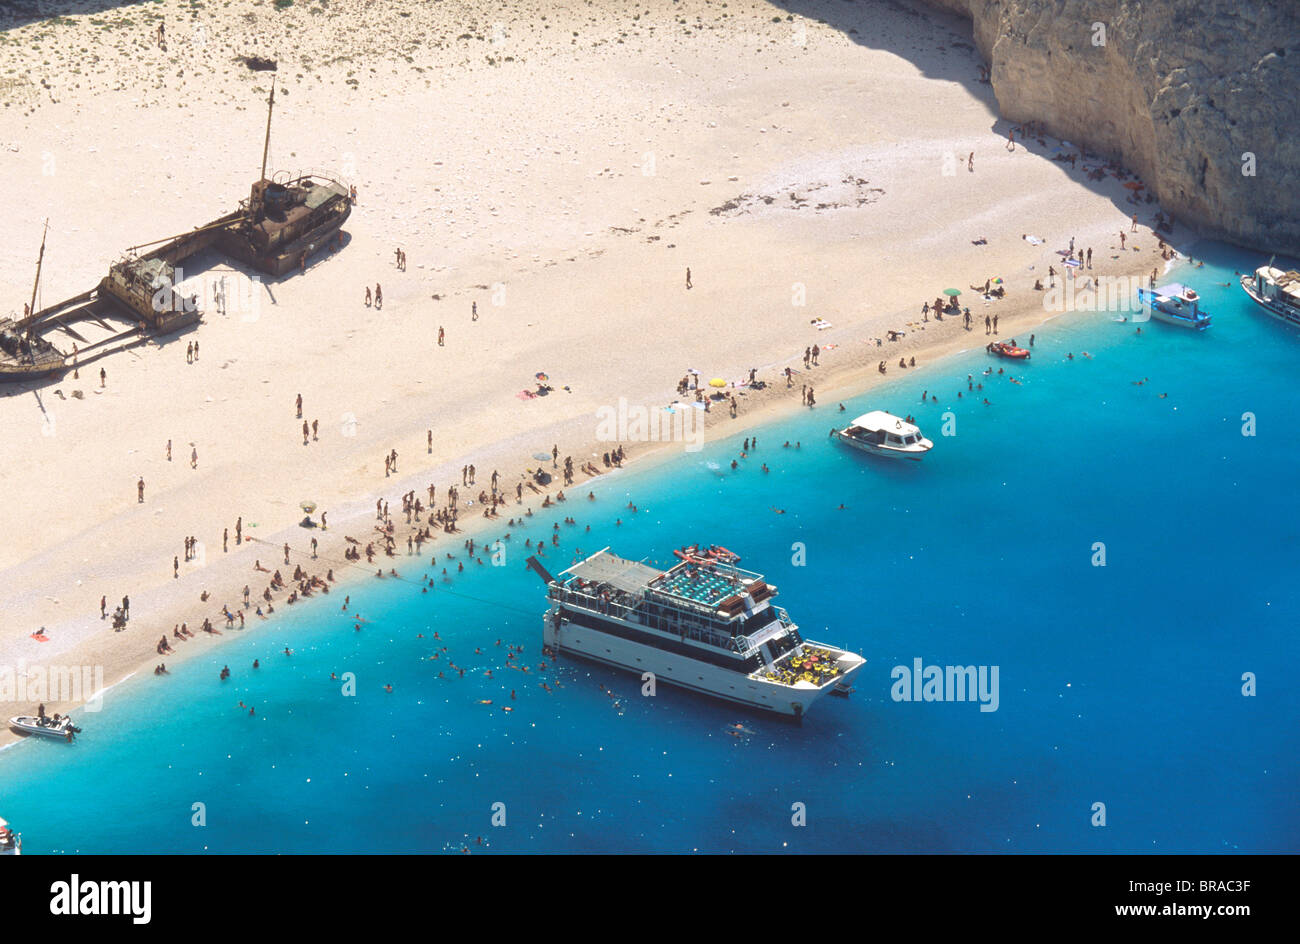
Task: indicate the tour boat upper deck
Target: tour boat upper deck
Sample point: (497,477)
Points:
(695,590)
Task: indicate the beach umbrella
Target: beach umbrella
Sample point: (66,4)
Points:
(541,456)
(692,370)
(541,375)
(717,382)
(997,281)
(307,506)
(952,292)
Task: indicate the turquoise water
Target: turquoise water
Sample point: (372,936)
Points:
(1119,685)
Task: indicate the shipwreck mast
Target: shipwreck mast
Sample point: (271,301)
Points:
(35,285)
(257,194)
(266,146)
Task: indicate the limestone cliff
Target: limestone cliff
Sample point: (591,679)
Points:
(1176,90)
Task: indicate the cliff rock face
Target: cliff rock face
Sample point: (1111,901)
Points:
(1178,92)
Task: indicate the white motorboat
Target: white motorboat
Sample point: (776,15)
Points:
(884,434)
(1277,292)
(11,843)
(59,728)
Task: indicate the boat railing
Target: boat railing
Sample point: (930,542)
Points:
(635,614)
(683,603)
(320,173)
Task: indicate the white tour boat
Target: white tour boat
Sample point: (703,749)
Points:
(11,843)
(704,624)
(884,434)
(1277,292)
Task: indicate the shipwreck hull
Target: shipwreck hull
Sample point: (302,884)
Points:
(277,245)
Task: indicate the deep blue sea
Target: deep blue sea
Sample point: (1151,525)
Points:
(1120,684)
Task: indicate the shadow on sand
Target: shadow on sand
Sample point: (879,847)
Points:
(941,46)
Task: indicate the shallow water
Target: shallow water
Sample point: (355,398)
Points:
(1119,685)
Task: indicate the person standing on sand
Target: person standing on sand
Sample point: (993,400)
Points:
(995,324)
(1011,140)
(299,405)
(225,540)
(305,429)
(815,352)
(473,311)
(970,162)
(430,432)
(1121,239)
(194,458)
(988,324)
(103,607)
(315,425)
(1089,257)
(441,336)
(1134,227)
(688,276)
(323,526)
(103,376)
(169,450)
(286,552)
(379,297)
(239,530)
(139,490)
(367,296)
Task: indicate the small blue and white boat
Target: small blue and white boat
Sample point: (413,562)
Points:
(1175,304)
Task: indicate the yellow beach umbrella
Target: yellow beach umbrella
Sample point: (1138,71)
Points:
(717,382)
